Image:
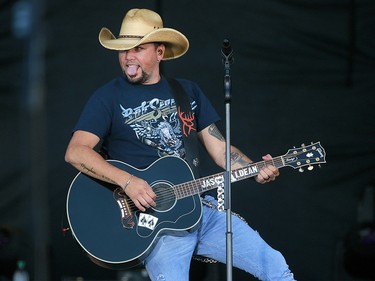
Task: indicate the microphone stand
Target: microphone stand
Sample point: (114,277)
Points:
(227,54)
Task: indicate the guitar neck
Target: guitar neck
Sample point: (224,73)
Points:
(218,180)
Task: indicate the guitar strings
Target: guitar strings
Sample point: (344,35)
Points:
(184,190)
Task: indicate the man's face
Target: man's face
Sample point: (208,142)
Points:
(141,64)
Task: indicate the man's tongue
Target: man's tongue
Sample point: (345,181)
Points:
(132,70)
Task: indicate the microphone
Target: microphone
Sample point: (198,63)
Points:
(227,48)
(227,52)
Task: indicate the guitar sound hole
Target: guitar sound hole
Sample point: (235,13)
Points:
(165,197)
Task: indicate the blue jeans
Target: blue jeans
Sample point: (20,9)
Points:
(171,257)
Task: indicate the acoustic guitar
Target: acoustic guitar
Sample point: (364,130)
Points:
(115,234)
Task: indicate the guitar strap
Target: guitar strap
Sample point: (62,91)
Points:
(188,125)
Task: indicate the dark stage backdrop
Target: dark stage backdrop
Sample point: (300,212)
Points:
(303,71)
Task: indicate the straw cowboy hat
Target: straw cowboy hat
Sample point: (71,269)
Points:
(141,26)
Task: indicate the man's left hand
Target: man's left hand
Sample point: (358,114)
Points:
(268,173)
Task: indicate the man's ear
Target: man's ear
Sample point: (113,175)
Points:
(160,51)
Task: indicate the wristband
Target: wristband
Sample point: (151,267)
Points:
(127,183)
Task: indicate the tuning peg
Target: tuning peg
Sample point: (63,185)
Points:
(300,170)
(310,168)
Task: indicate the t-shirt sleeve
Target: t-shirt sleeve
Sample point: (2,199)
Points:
(95,117)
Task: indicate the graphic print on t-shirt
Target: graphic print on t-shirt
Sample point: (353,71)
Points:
(156,124)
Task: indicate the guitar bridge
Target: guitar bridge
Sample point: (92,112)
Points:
(126,215)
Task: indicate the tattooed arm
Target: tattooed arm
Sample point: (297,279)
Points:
(81,154)
(214,142)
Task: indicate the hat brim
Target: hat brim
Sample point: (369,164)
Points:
(176,43)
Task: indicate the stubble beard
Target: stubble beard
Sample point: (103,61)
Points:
(137,80)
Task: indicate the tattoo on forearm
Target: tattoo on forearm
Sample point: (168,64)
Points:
(214,131)
(87,170)
(237,158)
(108,179)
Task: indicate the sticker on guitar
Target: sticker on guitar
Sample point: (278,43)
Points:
(148,221)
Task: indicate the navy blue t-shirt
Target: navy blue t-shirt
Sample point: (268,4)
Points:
(138,123)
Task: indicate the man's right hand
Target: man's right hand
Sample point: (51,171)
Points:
(140,193)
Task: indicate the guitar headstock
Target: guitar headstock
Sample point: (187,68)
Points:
(306,155)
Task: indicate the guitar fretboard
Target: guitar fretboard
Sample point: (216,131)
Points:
(218,180)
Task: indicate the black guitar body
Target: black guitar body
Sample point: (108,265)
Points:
(113,232)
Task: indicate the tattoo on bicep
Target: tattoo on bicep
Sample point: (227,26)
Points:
(237,158)
(214,131)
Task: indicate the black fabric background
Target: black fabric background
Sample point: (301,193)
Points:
(303,71)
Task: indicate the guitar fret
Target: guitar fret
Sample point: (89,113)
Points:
(277,162)
(184,190)
(196,186)
(187,190)
(177,192)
